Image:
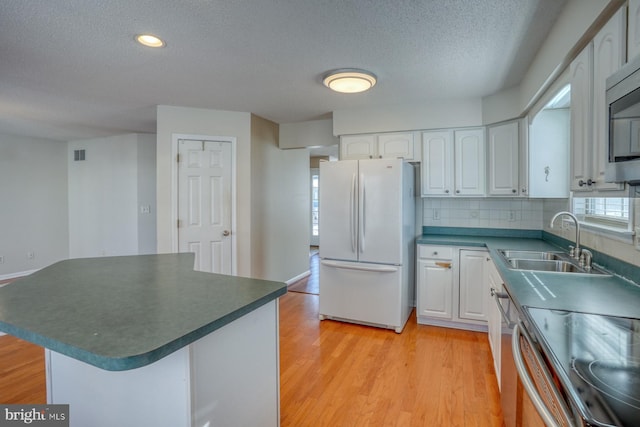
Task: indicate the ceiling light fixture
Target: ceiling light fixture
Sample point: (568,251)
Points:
(150,40)
(349,80)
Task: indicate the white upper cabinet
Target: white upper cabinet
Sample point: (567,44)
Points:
(589,131)
(504,160)
(355,147)
(469,156)
(396,145)
(633,31)
(437,163)
(372,146)
(453,163)
(609,54)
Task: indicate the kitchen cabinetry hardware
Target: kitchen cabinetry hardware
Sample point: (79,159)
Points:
(497,296)
(225,233)
(444,264)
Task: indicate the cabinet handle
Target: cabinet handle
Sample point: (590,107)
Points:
(446,191)
(514,191)
(458,191)
(524,190)
(589,182)
(435,253)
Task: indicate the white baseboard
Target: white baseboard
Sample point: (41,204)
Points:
(16,275)
(298,277)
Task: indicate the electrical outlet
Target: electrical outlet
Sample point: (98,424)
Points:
(31,255)
(145,209)
(512,216)
(1,259)
(436,214)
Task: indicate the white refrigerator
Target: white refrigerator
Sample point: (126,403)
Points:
(367,232)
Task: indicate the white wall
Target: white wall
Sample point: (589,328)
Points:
(106,192)
(552,58)
(198,121)
(33,217)
(280,188)
(435,115)
(313,133)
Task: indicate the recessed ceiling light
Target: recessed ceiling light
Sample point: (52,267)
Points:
(349,80)
(150,40)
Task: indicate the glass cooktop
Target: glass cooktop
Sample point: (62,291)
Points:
(599,357)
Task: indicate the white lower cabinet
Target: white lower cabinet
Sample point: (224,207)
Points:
(494,318)
(448,290)
(473,302)
(435,282)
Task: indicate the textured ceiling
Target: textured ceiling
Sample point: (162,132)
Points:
(69,69)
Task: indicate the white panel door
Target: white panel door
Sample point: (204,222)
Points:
(469,156)
(204,203)
(437,164)
(435,288)
(380,216)
(339,210)
(503,159)
(609,53)
(473,301)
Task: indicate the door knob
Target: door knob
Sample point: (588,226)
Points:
(225,233)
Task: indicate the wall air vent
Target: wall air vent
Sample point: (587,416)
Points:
(78,155)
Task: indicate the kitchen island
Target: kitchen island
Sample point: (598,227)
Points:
(146,340)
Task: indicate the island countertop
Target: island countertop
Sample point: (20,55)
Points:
(120,313)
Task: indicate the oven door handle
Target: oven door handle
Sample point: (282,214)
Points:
(497,296)
(530,387)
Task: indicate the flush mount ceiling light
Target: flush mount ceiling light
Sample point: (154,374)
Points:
(150,40)
(349,80)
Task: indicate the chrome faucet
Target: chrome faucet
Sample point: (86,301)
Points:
(575,252)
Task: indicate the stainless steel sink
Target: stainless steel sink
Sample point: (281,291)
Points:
(558,262)
(545,265)
(531,254)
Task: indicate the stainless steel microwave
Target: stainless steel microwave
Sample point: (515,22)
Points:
(623,104)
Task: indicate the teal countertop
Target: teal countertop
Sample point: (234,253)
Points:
(120,313)
(610,295)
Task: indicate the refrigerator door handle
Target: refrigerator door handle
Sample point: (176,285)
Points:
(363,213)
(353,208)
(360,267)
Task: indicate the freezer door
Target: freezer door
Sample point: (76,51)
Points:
(339,210)
(380,216)
(363,293)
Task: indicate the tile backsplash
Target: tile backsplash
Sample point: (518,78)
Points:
(484,213)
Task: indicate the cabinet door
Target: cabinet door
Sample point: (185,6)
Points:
(356,147)
(494,319)
(503,149)
(469,155)
(437,163)
(396,145)
(581,113)
(473,300)
(608,56)
(435,289)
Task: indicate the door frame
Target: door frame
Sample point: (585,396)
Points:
(314,241)
(175,138)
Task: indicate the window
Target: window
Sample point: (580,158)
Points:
(613,213)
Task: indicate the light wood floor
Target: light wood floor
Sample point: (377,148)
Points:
(339,374)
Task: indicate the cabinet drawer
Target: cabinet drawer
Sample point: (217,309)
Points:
(435,252)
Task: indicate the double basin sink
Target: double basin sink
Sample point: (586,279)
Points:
(558,262)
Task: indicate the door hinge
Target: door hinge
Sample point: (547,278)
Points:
(178,158)
(178,223)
